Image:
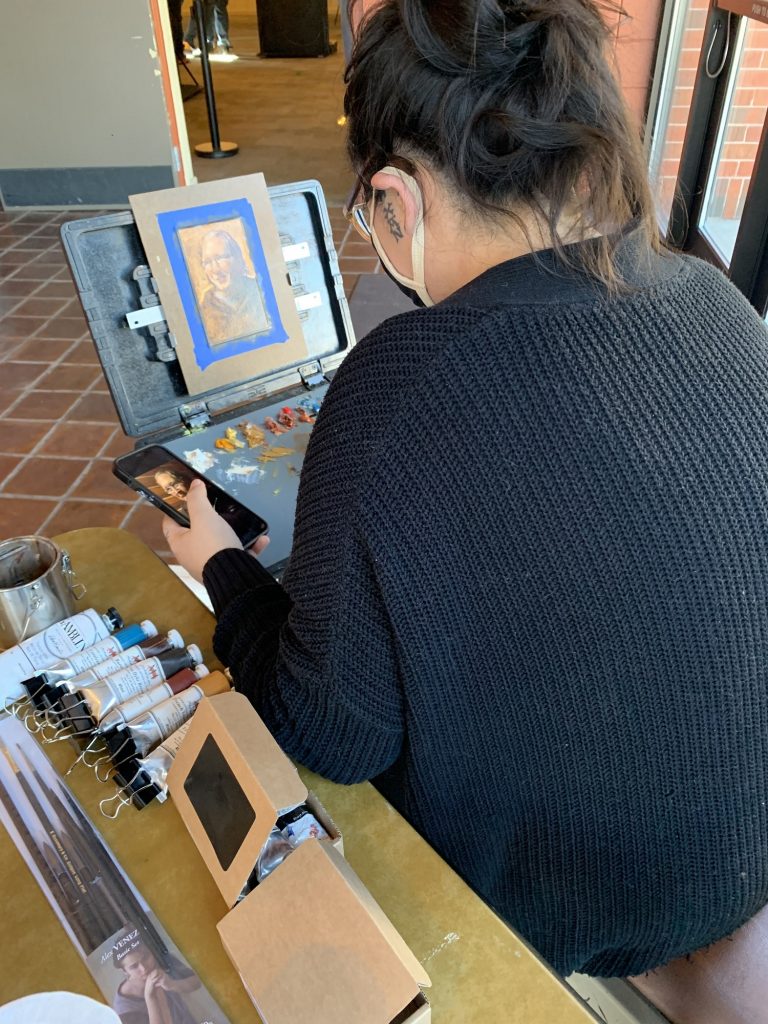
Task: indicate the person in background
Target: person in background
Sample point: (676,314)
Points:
(216,17)
(350,17)
(528,590)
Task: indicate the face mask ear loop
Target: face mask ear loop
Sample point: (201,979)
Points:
(417,243)
(417,282)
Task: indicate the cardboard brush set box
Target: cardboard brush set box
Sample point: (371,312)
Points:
(219,317)
(309,942)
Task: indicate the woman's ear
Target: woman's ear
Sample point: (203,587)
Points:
(397,214)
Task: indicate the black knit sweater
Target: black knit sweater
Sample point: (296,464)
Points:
(529,592)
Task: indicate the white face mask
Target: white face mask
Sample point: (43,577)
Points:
(415,284)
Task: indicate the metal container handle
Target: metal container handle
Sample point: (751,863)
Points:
(33,604)
(77,589)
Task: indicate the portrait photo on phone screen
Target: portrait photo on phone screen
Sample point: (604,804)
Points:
(170,482)
(164,478)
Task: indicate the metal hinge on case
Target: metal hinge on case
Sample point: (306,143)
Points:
(151,316)
(312,375)
(195,415)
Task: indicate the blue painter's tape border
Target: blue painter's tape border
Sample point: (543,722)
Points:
(170,223)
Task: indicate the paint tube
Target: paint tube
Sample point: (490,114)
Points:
(145,701)
(148,776)
(58,641)
(284,838)
(106,649)
(149,648)
(300,824)
(51,695)
(101,697)
(138,737)
(290,830)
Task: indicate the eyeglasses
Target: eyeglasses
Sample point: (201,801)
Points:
(358,213)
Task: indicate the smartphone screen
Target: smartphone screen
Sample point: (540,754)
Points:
(165,479)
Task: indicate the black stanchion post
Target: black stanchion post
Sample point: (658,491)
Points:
(215,149)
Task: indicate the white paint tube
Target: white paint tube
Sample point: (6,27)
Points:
(104,651)
(61,640)
(139,652)
(102,697)
(153,769)
(145,701)
(138,737)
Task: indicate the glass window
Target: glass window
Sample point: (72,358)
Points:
(738,140)
(685,40)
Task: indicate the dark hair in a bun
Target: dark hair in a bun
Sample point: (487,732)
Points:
(514,102)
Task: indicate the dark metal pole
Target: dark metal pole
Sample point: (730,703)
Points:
(215,149)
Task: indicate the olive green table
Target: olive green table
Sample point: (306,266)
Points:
(480,969)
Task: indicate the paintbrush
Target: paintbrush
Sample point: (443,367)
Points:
(91,850)
(98,917)
(59,893)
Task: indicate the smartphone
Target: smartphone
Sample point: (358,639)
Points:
(164,480)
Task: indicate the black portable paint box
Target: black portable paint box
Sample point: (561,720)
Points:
(138,357)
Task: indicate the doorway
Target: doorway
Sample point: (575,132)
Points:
(285,114)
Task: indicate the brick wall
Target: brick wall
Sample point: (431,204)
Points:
(750,101)
(745,125)
(635,49)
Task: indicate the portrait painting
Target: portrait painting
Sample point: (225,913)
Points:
(215,253)
(228,293)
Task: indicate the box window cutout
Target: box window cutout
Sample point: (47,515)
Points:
(219,802)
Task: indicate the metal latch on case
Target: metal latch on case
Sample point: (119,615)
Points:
(311,375)
(195,415)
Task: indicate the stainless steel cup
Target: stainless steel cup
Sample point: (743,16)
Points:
(37,587)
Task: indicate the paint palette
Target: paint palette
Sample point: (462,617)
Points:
(265,477)
(138,356)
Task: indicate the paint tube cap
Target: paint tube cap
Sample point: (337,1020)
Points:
(149,628)
(175,639)
(130,635)
(195,654)
(113,619)
(214,683)
(201,671)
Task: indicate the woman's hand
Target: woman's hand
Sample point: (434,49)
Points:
(208,533)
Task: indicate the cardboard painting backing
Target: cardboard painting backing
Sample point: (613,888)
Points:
(250,188)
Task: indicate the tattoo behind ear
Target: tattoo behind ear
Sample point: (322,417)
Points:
(391,218)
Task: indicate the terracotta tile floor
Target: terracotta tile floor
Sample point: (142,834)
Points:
(58,427)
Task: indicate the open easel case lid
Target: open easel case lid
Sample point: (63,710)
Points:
(136,349)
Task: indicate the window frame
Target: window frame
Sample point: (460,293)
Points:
(748,268)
